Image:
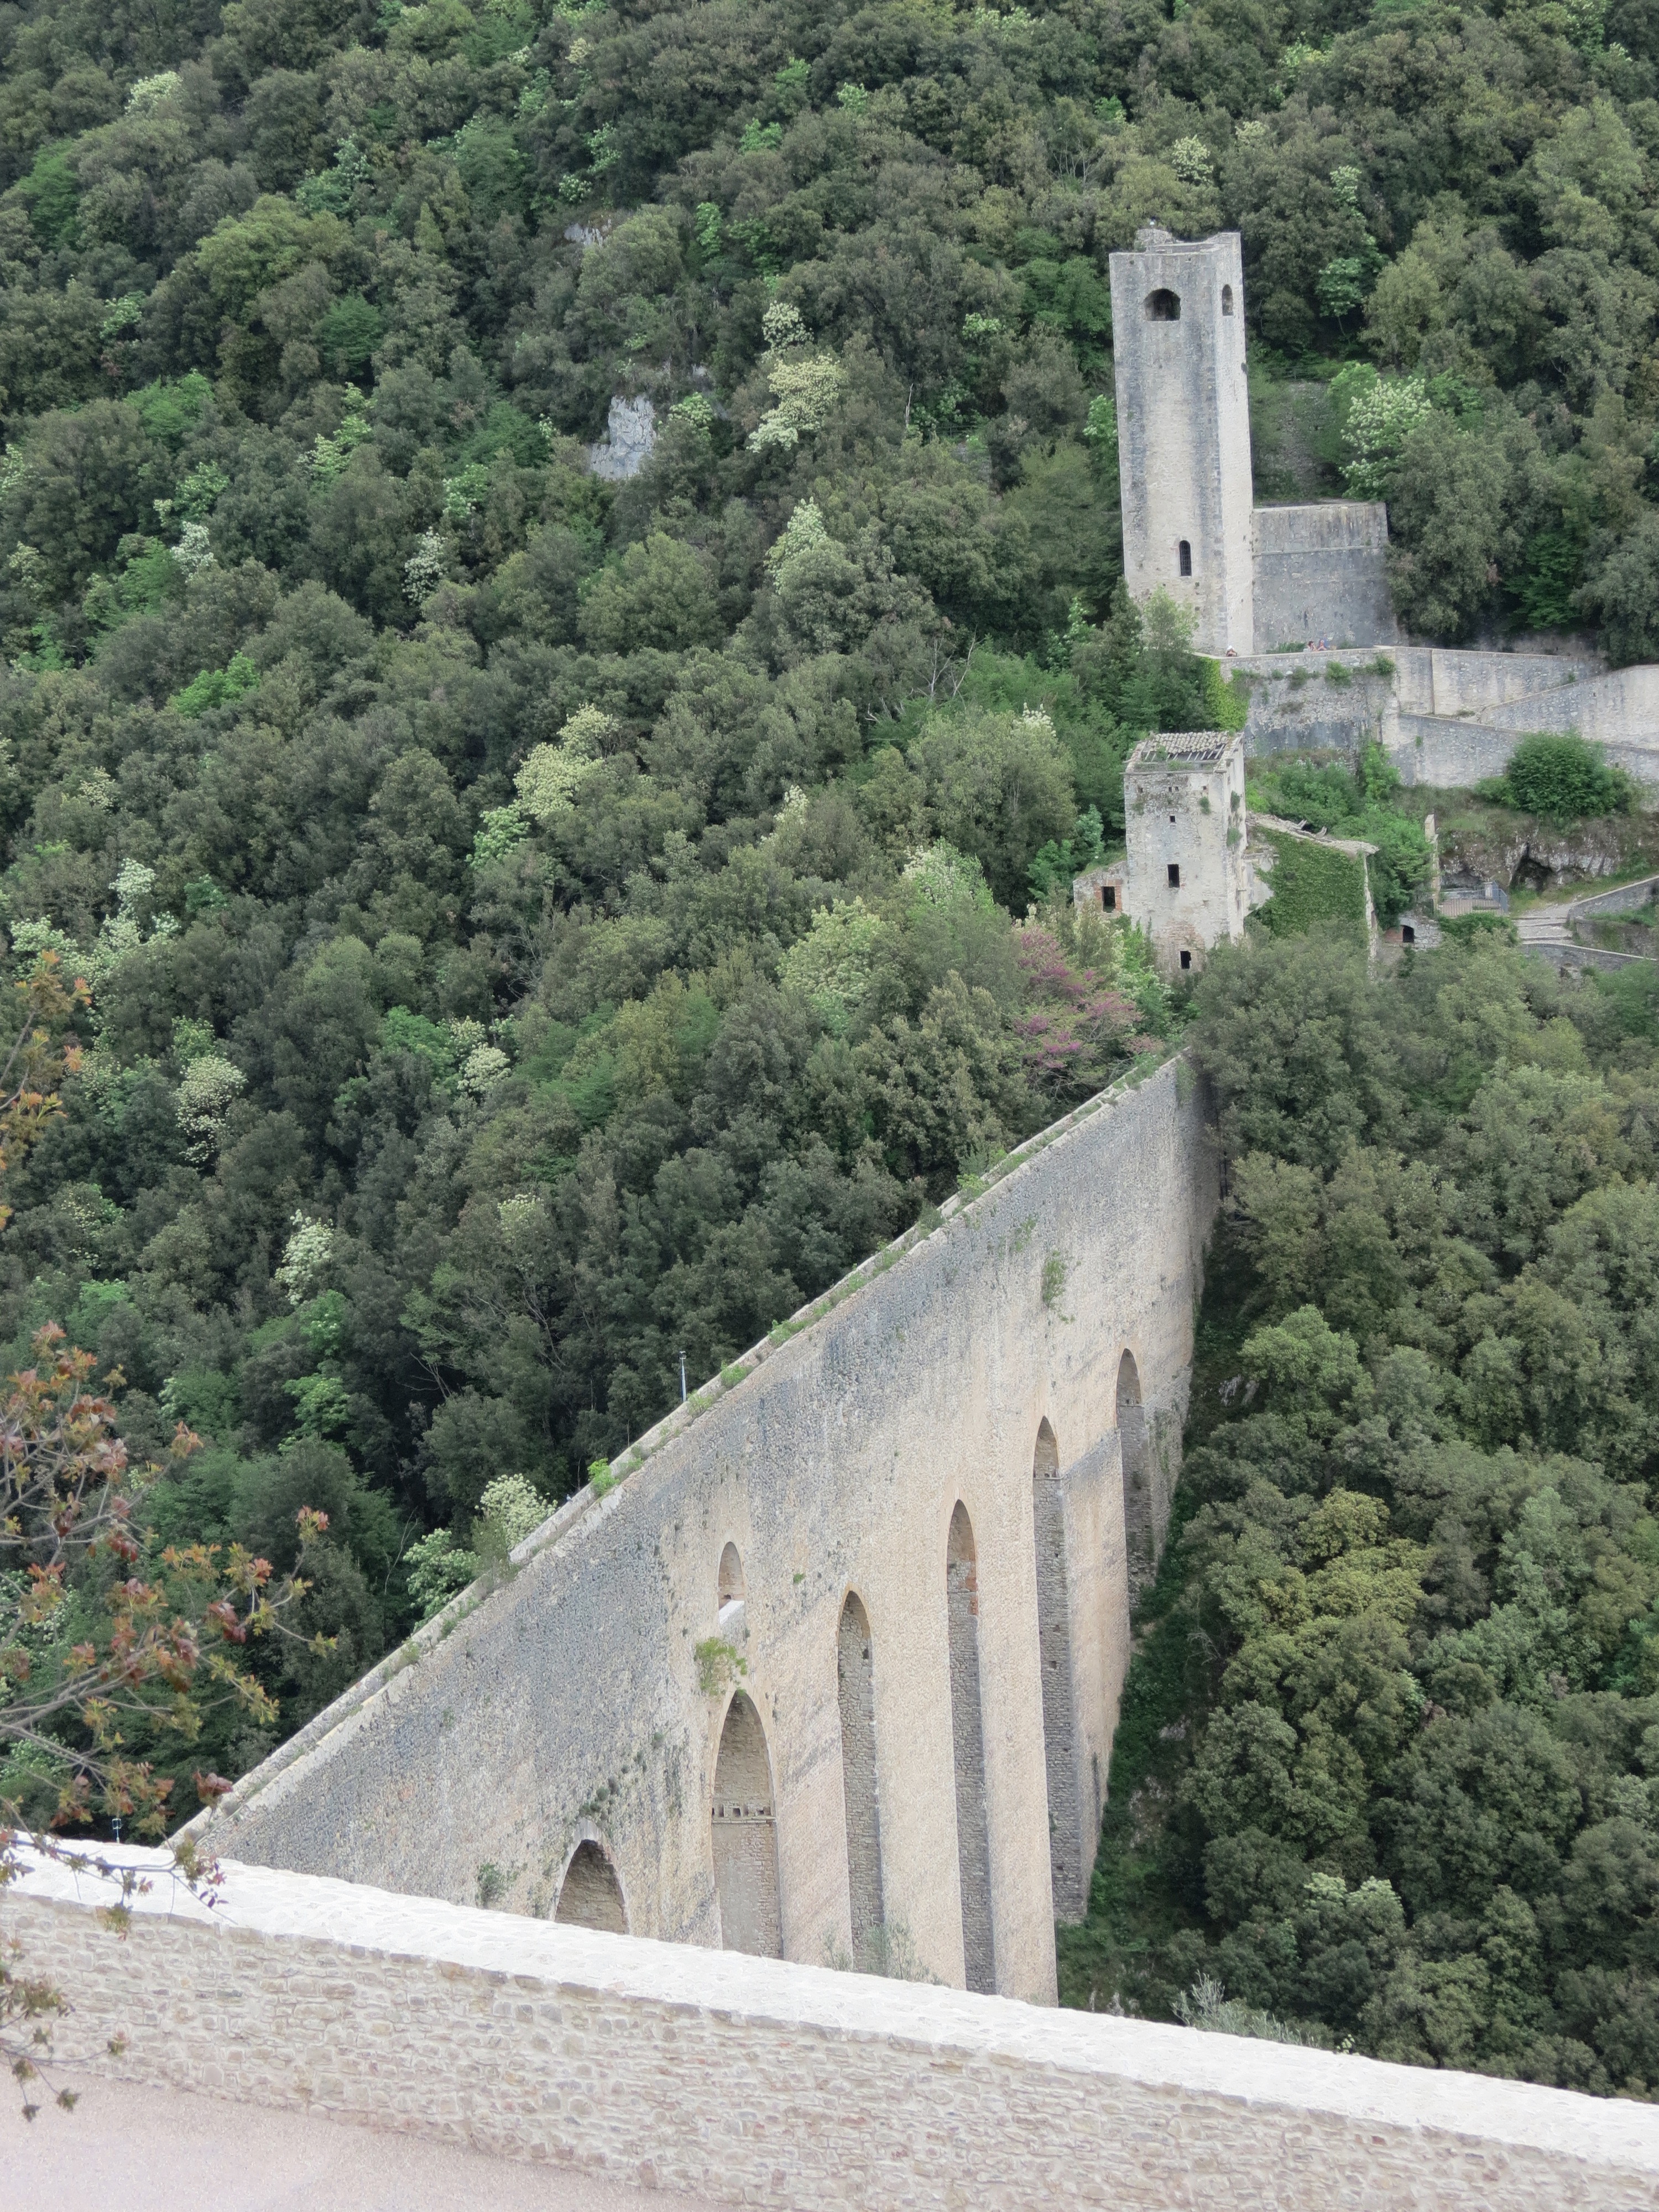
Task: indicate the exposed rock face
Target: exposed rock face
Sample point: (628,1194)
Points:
(1540,855)
(627,444)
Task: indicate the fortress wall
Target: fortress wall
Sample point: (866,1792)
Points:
(1437,680)
(1295,708)
(1321,571)
(1438,712)
(568,1704)
(749,2082)
(1619,709)
(1433,750)
(1429,748)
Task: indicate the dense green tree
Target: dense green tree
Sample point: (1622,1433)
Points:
(1408,1615)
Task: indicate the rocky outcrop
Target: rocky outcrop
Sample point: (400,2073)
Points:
(630,440)
(1530,855)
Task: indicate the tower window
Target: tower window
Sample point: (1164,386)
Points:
(1184,557)
(1109,898)
(1162,307)
(1226,299)
(1175,875)
(1186,958)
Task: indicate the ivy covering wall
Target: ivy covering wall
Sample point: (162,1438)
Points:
(1314,886)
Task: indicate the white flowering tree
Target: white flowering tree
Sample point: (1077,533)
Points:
(804,387)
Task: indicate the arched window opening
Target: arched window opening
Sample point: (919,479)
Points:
(1054,1667)
(856,1687)
(591,1895)
(1226,299)
(967,1745)
(1137,1474)
(1162,307)
(746,1837)
(730,1587)
(1184,557)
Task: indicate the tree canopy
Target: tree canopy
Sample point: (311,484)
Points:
(1386,1772)
(540,919)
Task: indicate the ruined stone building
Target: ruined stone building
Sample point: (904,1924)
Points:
(1193,871)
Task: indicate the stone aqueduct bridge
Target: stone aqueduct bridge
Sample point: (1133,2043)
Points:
(841,1654)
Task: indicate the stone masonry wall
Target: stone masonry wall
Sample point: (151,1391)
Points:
(1322,572)
(571,1702)
(751,2082)
(1621,709)
(1433,750)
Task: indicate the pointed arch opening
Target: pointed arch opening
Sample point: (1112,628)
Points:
(968,1746)
(1054,1667)
(1226,299)
(856,1689)
(590,1895)
(745,1837)
(731,1575)
(731,1589)
(1132,1442)
(1162,305)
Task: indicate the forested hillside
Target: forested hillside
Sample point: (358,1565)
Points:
(1388,1773)
(538,923)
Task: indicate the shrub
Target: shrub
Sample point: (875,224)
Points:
(1564,777)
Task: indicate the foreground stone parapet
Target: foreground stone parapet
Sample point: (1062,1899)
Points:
(754,2081)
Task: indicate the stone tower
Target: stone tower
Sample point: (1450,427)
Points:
(1188,873)
(1183,424)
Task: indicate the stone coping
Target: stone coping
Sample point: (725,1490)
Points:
(312,1909)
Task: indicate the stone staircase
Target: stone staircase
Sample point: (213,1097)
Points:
(1551,932)
(1549,927)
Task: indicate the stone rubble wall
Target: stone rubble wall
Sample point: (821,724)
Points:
(754,2082)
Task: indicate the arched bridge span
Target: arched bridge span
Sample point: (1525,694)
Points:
(834,1671)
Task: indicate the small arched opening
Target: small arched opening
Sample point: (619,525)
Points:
(1162,305)
(1226,299)
(590,1895)
(730,1587)
(1184,557)
(856,1690)
(1054,1667)
(745,1837)
(1137,1474)
(967,1747)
